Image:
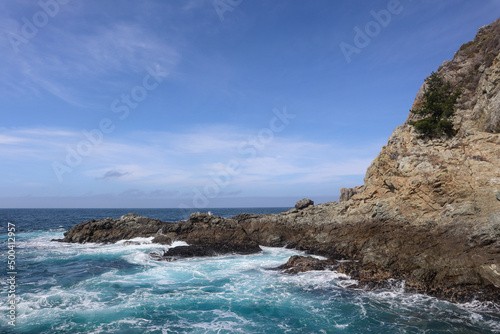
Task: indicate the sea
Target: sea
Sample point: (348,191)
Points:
(53,287)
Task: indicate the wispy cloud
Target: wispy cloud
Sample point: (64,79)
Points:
(33,143)
(95,56)
(7,139)
(159,160)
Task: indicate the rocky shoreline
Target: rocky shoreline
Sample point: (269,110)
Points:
(431,259)
(428,212)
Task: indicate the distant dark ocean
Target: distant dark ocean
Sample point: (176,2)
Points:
(89,288)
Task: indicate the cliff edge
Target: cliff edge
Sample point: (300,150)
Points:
(443,180)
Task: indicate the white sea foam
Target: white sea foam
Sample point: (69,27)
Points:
(135,241)
(479,306)
(312,280)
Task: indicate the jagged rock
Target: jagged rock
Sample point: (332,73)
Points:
(112,230)
(199,216)
(206,234)
(162,239)
(297,264)
(347,193)
(303,203)
(187,251)
(209,250)
(209,235)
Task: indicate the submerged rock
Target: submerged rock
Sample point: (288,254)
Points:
(297,264)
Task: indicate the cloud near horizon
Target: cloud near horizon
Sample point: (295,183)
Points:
(177,162)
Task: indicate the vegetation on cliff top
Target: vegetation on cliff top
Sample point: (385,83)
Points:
(437,108)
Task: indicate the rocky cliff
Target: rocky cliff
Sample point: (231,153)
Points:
(448,188)
(442,179)
(428,213)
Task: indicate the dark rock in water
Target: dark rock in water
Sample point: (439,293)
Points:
(189,251)
(206,234)
(207,250)
(213,235)
(162,239)
(303,203)
(297,264)
(112,230)
(368,279)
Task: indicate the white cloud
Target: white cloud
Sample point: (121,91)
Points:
(33,143)
(8,139)
(44,132)
(158,161)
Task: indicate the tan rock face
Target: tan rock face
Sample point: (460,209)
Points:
(443,180)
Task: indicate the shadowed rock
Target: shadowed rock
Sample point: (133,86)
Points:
(206,234)
(303,203)
(112,230)
(297,264)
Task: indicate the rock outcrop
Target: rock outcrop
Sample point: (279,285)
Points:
(209,235)
(303,203)
(112,230)
(428,212)
(298,264)
(347,193)
(206,235)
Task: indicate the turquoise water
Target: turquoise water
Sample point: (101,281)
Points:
(72,288)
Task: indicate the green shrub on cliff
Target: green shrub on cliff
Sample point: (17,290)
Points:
(437,108)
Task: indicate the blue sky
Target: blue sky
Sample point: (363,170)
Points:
(200,103)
